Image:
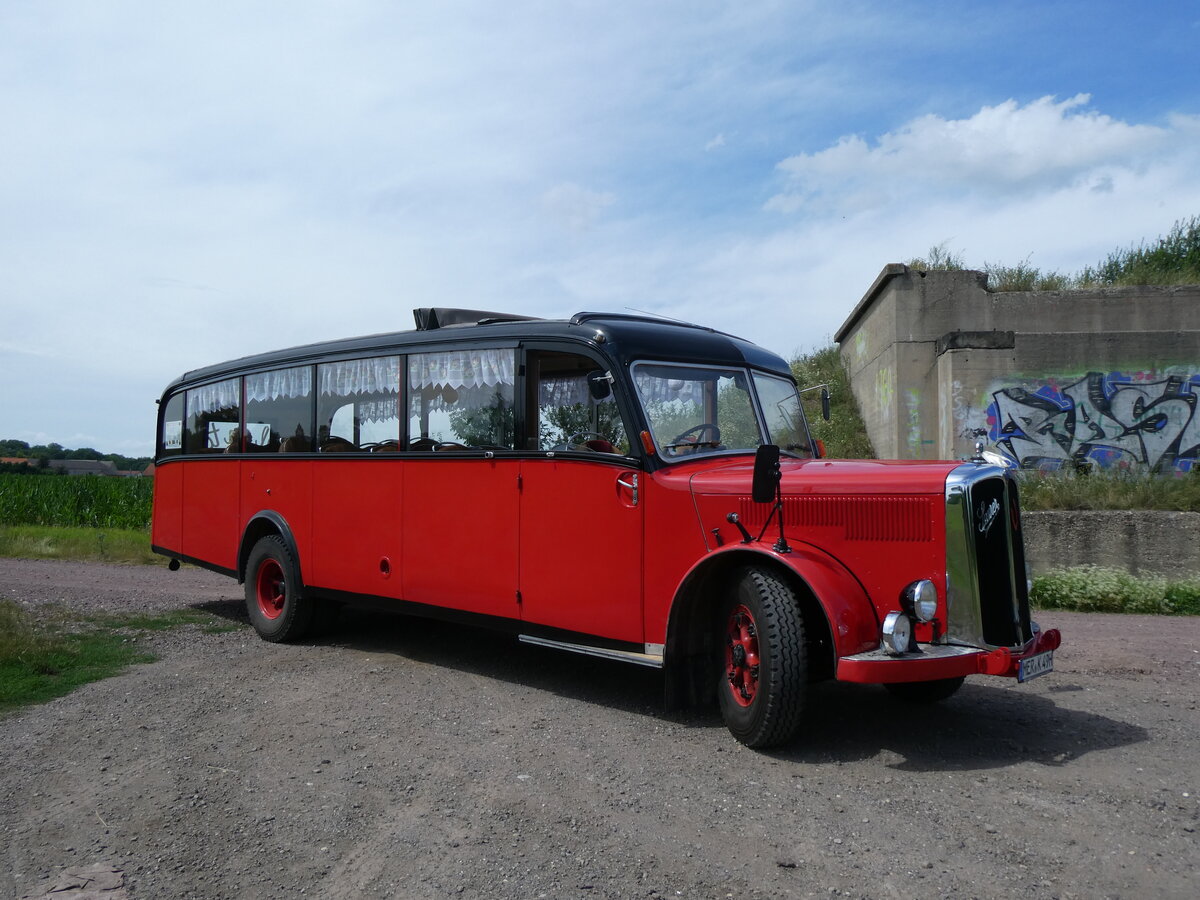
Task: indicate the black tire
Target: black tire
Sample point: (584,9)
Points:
(762,667)
(275,599)
(925,691)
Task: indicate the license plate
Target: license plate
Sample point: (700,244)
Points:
(1034,666)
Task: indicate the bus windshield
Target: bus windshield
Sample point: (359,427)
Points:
(696,409)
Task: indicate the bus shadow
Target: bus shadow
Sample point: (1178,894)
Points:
(483,652)
(500,656)
(983,726)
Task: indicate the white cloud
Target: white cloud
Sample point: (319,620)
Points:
(998,152)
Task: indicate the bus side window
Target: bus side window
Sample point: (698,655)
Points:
(462,399)
(279,410)
(213,418)
(358,405)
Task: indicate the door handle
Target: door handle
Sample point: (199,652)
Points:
(629,481)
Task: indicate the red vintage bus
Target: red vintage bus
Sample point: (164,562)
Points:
(616,485)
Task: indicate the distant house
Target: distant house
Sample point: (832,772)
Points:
(85,466)
(18,461)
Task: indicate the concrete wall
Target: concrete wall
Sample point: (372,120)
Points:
(1142,542)
(1052,378)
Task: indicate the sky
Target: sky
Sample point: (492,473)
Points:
(185,183)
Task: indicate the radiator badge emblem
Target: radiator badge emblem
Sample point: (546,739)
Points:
(987,515)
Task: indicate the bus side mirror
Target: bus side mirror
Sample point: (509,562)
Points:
(825,404)
(766,474)
(599,385)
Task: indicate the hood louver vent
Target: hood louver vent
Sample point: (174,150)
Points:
(857,518)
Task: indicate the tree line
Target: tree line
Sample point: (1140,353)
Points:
(43,453)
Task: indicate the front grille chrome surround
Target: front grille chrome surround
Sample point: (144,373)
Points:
(987,598)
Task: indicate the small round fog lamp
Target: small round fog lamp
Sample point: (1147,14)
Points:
(920,600)
(897,632)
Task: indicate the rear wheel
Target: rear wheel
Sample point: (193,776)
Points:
(274,599)
(925,691)
(763,673)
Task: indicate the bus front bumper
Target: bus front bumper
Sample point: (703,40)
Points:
(933,662)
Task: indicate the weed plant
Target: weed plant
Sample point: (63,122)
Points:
(1173,259)
(91,501)
(1101,589)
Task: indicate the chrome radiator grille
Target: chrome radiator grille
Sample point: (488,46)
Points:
(987,597)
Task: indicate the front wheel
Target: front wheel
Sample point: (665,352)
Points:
(763,673)
(274,599)
(925,691)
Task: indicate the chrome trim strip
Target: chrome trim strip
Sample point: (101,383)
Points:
(964,617)
(654,661)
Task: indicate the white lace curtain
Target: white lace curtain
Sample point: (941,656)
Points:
(212,397)
(281,384)
(380,375)
(462,369)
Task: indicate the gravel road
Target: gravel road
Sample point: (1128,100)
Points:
(401,758)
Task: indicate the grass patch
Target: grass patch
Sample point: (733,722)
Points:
(49,654)
(92,544)
(1109,489)
(1100,589)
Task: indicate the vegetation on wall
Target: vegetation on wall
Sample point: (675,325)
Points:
(1171,259)
(1109,489)
(845,435)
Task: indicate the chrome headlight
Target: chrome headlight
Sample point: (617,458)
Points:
(897,632)
(920,600)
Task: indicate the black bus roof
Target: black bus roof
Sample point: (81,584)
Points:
(621,337)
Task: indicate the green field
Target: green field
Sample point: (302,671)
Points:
(89,501)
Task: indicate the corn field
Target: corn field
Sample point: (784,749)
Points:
(76,501)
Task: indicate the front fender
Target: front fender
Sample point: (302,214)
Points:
(850,617)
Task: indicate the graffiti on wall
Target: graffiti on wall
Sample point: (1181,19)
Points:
(1144,421)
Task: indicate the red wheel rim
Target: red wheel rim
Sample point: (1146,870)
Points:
(271,589)
(741,656)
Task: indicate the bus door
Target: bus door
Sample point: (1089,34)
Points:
(580,504)
(460,484)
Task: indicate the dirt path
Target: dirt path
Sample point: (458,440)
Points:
(409,759)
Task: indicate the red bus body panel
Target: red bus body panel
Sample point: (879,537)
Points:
(211,527)
(460,534)
(356,534)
